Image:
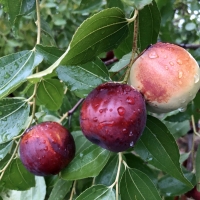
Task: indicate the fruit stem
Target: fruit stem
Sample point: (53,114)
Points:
(38,22)
(133,18)
(10,160)
(70,112)
(116,182)
(194,127)
(73,191)
(134,47)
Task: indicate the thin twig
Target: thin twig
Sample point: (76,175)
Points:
(134,47)
(70,112)
(38,22)
(73,191)
(116,182)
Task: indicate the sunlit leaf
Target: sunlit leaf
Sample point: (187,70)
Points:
(5,148)
(15,68)
(12,110)
(97,192)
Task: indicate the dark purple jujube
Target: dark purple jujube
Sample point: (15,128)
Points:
(46,148)
(113,116)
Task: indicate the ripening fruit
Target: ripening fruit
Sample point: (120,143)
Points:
(113,116)
(167,75)
(194,194)
(46,148)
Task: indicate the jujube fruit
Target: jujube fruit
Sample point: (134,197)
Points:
(46,148)
(167,75)
(113,116)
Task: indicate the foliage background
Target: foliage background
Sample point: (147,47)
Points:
(180,24)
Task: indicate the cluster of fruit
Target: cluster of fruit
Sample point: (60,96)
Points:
(165,77)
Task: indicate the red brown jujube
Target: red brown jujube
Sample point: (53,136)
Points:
(113,116)
(46,148)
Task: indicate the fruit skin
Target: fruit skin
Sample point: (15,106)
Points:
(113,116)
(46,148)
(194,193)
(167,75)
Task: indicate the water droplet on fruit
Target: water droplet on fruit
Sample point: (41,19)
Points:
(196,78)
(124,130)
(101,110)
(180,74)
(153,54)
(179,62)
(130,100)
(131,144)
(171,63)
(46,148)
(166,67)
(107,123)
(182,109)
(95,119)
(96,105)
(121,111)
(131,134)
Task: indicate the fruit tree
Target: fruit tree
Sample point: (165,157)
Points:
(99,99)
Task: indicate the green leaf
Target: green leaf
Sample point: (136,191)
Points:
(137,163)
(60,189)
(16,177)
(108,174)
(149,24)
(88,6)
(50,92)
(87,163)
(82,79)
(124,61)
(100,33)
(97,192)
(5,149)
(135,185)
(178,129)
(170,186)
(137,4)
(35,193)
(20,7)
(12,110)
(192,109)
(197,167)
(15,68)
(161,148)
(50,54)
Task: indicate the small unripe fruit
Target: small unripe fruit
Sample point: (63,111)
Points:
(113,116)
(46,148)
(167,75)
